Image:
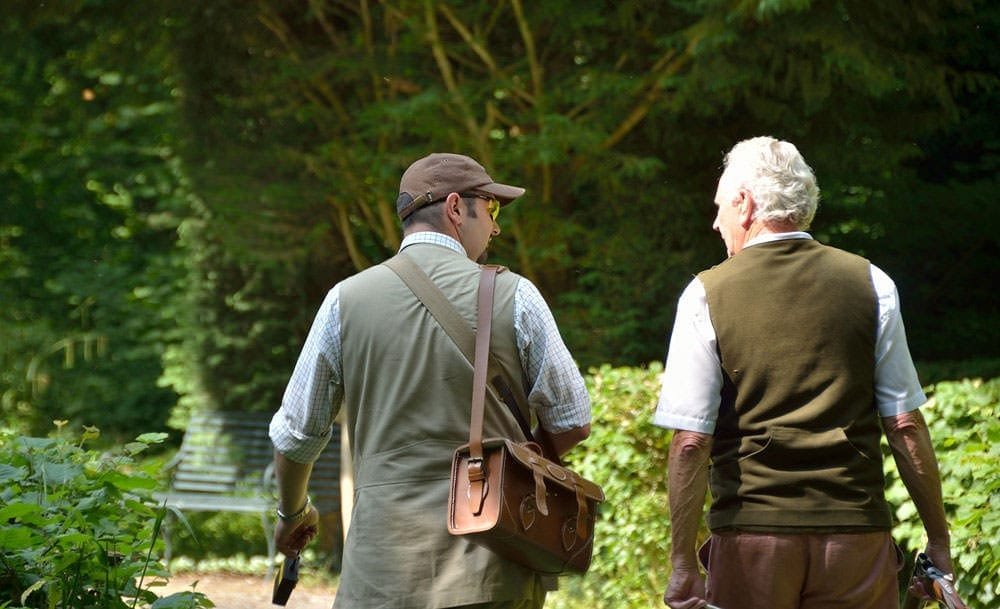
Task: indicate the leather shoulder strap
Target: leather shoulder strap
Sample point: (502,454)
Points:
(460,331)
(484,330)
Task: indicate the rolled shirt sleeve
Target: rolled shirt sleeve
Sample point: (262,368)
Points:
(301,428)
(556,390)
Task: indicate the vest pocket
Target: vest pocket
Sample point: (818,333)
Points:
(807,469)
(784,443)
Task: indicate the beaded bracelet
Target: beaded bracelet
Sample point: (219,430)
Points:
(299,515)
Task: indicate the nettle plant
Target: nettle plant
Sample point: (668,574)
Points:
(79,527)
(964,421)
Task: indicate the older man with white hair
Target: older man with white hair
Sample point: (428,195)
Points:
(786,363)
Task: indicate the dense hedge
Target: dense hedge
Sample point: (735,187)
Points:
(628,455)
(964,419)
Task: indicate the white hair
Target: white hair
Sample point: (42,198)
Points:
(781,183)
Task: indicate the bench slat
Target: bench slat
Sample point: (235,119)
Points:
(224,454)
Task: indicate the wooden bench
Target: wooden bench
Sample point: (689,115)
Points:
(225,464)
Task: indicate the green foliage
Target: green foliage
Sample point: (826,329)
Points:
(627,455)
(182,184)
(78,527)
(299,124)
(964,420)
(210,535)
(91,196)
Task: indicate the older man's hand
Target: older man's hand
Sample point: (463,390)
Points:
(686,590)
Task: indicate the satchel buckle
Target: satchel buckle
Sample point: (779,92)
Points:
(476,470)
(477,479)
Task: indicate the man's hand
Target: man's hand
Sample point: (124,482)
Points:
(292,478)
(687,485)
(940,555)
(930,582)
(686,590)
(291,537)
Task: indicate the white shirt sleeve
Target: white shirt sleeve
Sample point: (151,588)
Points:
(691,386)
(897,388)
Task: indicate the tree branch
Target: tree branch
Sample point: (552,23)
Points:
(529,49)
(342,220)
(469,39)
(671,63)
(448,76)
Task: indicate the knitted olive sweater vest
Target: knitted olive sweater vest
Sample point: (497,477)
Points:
(797,439)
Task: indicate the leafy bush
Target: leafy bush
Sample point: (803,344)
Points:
(964,420)
(627,455)
(78,528)
(210,535)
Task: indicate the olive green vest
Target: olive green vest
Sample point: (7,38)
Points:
(407,396)
(797,438)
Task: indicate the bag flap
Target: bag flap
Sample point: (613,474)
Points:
(563,476)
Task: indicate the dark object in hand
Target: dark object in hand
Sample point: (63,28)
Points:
(933,583)
(285,580)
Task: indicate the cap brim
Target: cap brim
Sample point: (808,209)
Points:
(503,192)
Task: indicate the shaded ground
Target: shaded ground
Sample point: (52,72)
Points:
(234,591)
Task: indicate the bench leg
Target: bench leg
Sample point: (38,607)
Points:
(266,524)
(165,531)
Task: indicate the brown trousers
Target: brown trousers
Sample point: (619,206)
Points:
(802,571)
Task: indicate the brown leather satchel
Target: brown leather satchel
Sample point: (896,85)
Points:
(523,506)
(504,494)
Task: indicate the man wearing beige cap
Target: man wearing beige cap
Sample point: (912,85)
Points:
(405,386)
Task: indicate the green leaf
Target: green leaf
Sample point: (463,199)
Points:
(61,473)
(134,448)
(18,510)
(153,438)
(131,482)
(9,473)
(182,600)
(13,538)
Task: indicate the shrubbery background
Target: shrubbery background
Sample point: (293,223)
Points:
(964,419)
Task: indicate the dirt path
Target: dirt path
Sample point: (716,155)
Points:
(231,591)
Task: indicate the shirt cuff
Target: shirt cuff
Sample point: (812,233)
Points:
(296,446)
(674,421)
(902,405)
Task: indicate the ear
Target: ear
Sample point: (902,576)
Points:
(453,209)
(745,208)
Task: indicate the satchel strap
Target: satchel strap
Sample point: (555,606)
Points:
(460,332)
(484,330)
